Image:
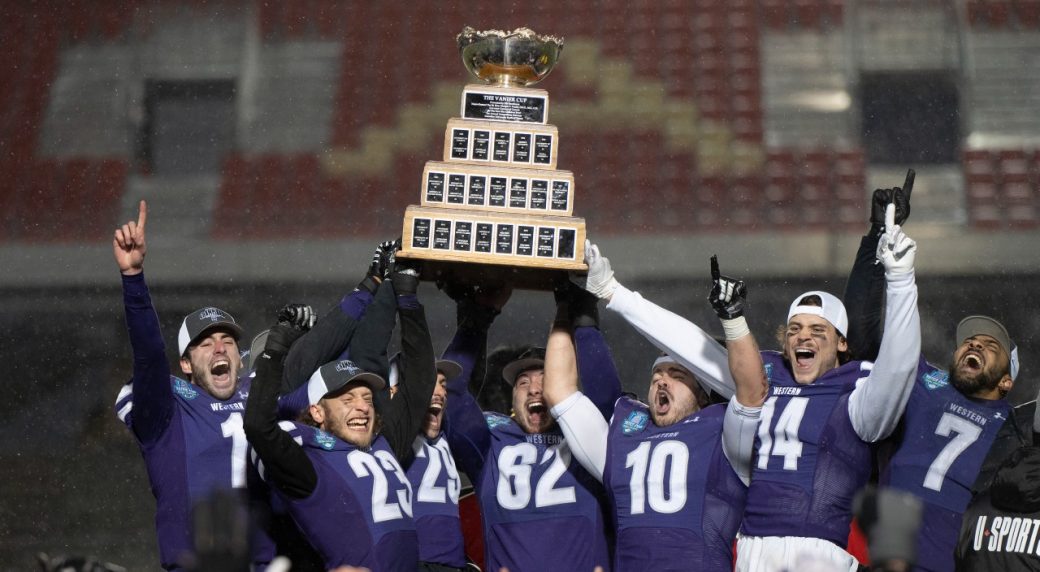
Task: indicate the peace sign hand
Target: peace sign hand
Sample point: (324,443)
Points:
(128,245)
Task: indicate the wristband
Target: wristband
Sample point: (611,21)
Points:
(736,328)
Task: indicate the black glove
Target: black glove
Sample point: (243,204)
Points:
(728,296)
(405,277)
(293,321)
(582,306)
(299,316)
(379,268)
(882,197)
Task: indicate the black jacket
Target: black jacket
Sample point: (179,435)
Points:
(1001,528)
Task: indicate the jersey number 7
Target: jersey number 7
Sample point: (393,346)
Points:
(966,434)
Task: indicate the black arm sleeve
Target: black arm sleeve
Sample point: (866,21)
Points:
(329,337)
(864,300)
(286,464)
(368,348)
(404,414)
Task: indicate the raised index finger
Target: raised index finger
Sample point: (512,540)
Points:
(908,184)
(142,214)
(890,216)
(715,274)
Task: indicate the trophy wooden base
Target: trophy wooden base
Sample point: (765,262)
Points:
(489,275)
(534,250)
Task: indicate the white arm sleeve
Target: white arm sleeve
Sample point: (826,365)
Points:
(691,346)
(738,437)
(878,402)
(585,430)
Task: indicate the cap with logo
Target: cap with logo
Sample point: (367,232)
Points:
(201,321)
(449,368)
(533,358)
(831,309)
(984,325)
(333,376)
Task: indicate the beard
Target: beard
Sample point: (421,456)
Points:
(985,380)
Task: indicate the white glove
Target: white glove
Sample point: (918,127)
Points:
(895,250)
(600,280)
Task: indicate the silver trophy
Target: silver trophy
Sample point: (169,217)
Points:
(509,59)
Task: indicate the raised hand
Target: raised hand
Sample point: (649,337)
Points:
(600,280)
(293,321)
(405,276)
(383,258)
(900,196)
(129,246)
(895,250)
(728,296)
(300,316)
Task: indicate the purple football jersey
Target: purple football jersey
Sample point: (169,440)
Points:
(677,501)
(201,451)
(943,442)
(809,461)
(436,484)
(360,512)
(541,510)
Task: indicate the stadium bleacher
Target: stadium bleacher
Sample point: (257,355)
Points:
(707,57)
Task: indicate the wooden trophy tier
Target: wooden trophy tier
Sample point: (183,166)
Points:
(524,251)
(526,145)
(498,189)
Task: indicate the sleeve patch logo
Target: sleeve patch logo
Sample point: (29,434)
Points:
(635,422)
(769,371)
(494,421)
(184,389)
(324,440)
(936,379)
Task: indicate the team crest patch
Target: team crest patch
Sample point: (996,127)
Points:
(635,422)
(769,371)
(494,421)
(936,379)
(324,440)
(184,389)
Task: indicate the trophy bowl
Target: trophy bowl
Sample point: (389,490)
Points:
(509,59)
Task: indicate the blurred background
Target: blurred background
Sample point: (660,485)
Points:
(278,142)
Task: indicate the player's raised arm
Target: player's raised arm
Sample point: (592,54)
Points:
(877,403)
(865,288)
(404,413)
(337,329)
(688,344)
(285,463)
(581,422)
(728,297)
(152,393)
(464,426)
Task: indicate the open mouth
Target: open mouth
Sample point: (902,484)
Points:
(972,361)
(536,412)
(662,402)
(220,368)
(804,357)
(435,408)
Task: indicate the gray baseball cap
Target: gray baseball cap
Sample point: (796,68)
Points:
(203,320)
(984,325)
(333,376)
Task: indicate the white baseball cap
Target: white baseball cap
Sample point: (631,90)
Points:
(831,309)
